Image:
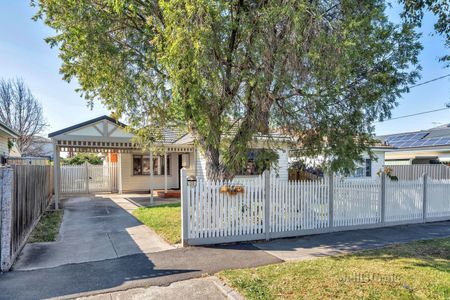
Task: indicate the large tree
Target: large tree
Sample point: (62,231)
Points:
(414,11)
(228,70)
(20,110)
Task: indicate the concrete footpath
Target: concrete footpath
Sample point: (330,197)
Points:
(313,246)
(205,288)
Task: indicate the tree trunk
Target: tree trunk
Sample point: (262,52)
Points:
(214,169)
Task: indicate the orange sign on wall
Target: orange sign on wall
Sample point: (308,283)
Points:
(112,157)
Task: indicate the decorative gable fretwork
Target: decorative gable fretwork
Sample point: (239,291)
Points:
(111,146)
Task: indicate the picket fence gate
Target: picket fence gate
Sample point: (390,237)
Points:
(87,178)
(265,207)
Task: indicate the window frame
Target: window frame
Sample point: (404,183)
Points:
(158,165)
(363,170)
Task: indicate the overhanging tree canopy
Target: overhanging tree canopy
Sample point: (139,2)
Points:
(321,71)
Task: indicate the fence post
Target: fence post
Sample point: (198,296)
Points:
(383,198)
(184,208)
(330,200)
(424,197)
(6,198)
(86,165)
(267,204)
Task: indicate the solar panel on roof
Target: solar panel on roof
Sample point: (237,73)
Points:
(441,141)
(428,142)
(406,140)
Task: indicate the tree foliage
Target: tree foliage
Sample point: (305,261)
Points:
(414,11)
(228,71)
(21,111)
(81,158)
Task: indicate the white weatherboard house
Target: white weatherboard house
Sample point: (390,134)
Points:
(138,171)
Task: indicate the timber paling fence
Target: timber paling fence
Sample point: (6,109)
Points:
(266,207)
(25,193)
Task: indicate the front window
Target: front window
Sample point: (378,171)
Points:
(364,169)
(141,165)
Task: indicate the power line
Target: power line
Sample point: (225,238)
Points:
(416,114)
(431,80)
(423,112)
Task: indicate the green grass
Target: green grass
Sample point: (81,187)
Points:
(48,227)
(164,219)
(418,270)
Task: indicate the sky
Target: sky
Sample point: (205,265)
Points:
(24,54)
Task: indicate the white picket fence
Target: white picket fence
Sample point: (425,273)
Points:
(88,178)
(266,207)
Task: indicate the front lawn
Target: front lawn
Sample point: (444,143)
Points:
(418,270)
(48,227)
(164,219)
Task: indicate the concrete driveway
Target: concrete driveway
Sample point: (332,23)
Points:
(93,229)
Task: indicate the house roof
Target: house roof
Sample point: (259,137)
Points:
(9,131)
(423,139)
(89,122)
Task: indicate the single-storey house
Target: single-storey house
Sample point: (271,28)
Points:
(430,146)
(159,169)
(6,134)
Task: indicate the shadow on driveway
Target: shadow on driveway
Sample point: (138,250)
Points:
(139,270)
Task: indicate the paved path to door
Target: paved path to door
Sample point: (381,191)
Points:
(93,229)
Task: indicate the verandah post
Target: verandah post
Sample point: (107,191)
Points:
(330,200)
(56,173)
(383,198)
(184,208)
(424,197)
(266,175)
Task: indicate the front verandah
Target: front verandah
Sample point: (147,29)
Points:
(152,187)
(106,135)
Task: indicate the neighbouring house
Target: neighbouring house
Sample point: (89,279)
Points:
(430,146)
(7,135)
(159,169)
(40,147)
(40,152)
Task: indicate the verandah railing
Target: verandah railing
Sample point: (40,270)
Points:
(265,207)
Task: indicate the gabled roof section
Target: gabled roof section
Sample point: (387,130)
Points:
(171,134)
(9,131)
(92,128)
